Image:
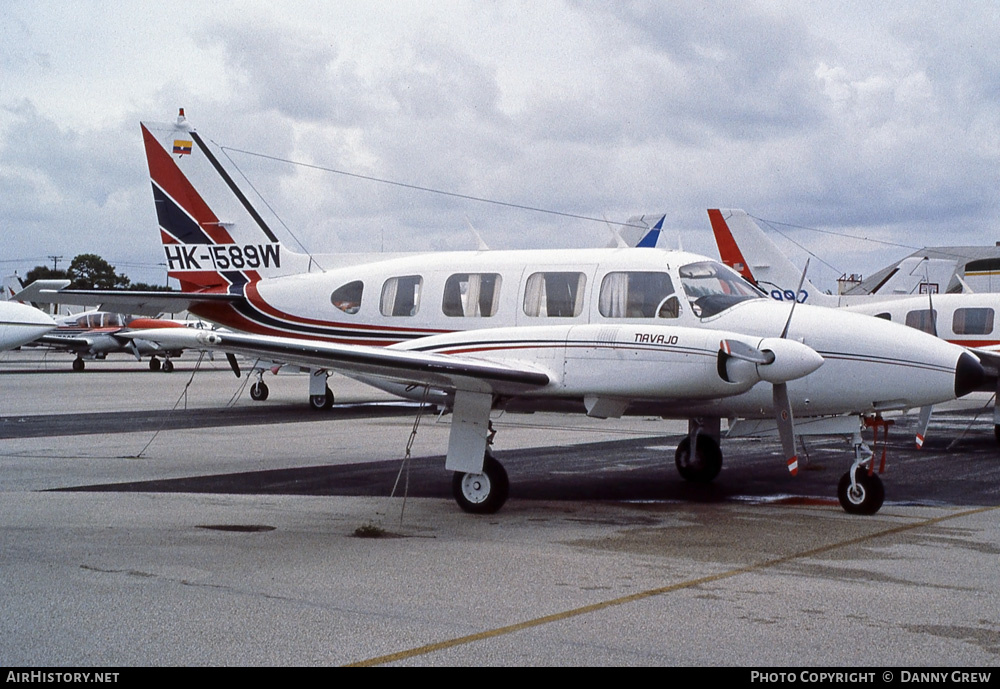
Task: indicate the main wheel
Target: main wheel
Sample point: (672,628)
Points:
(864,498)
(78,364)
(168,366)
(258,391)
(154,364)
(321,402)
(483,493)
(706,463)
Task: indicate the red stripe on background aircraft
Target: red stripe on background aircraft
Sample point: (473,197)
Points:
(612,331)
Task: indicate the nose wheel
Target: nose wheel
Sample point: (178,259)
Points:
(863,495)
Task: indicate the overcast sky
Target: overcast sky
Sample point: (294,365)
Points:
(877,120)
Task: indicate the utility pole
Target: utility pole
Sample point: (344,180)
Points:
(55,262)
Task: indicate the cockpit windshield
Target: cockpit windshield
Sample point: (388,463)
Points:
(712,287)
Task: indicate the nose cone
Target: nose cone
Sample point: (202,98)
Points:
(969,374)
(791,360)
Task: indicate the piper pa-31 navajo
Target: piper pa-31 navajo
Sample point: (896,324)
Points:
(607,331)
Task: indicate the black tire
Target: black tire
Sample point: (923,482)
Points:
(154,364)
(866,498)
(996,432)
(168,366)
(483,493)
(78,364)
(706,463)
(321,402)
(258,391)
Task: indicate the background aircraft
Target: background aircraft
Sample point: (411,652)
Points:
(95,334)
(605,331)
(20,323)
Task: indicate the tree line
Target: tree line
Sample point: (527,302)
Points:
(90,271)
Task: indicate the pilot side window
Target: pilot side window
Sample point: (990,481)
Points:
(401,296)
(638,295)
(554,295)
(923,319)
(972,322)
(347,297)
(471,294)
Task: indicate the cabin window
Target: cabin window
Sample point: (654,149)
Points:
(554,295)
(347,297)
(923,319)
(884,316)
(972,322)
(638,295)
(401,296)
(471,294)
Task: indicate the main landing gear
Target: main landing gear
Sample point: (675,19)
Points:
(705,463)
(154,365)
(483,493)
(78,364)
(258,391)
(321,402)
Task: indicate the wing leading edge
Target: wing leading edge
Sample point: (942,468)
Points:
(447,372)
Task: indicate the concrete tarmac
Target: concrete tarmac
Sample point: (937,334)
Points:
(150,519)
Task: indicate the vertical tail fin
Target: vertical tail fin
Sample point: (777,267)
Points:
(744,247)
(213,238)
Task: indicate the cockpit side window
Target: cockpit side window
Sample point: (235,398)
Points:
(638,295)
(401,296)
(347,297)
(712,287)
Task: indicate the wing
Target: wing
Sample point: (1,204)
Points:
(440,371)
(128,301)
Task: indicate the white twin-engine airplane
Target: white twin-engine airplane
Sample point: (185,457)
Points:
(608,331)
(965,318)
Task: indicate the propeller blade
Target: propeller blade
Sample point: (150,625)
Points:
(922,423)
(233,364)
(786,426)
(741,350)
(795,300)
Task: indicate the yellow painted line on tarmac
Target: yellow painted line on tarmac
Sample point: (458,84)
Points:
(596,607)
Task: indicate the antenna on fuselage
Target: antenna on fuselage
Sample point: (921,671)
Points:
(480,244)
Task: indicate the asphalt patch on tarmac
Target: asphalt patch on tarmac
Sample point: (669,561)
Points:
(945,471)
